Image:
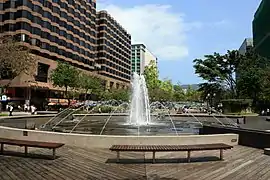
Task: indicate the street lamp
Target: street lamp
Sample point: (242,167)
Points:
(207,101)
(213,99)
(210,98)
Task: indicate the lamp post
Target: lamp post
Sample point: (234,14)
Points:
(207,102)
(210,100)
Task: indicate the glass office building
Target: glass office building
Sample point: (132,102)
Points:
(261,29)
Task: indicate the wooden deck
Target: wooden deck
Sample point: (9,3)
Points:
(78,163)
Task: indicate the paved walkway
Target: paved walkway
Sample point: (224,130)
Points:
(16,113)
(241,163)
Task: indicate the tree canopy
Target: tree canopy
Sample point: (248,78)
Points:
(219,69)
(117,94)
(15,59)
(65,76)
(90,83)
(151,75)
(234,76)
(253,77)
(179,94)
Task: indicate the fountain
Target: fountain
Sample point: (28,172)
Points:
(139,107)
(135,118)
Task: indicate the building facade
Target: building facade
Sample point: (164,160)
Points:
(137,57)
(141,57)
(246,46)
(54,30)
(113,51)
(261,29)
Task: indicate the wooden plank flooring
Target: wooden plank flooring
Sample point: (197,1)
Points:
(79,163)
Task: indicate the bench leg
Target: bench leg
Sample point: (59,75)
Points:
(154,156)
(188,156)
(2,148)
(118,156)
(221,154)
(25,150)
(53,150)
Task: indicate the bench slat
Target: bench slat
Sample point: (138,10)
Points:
(30,143)
(170,147)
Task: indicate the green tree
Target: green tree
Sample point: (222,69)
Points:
(117,94)
(211,89)
(90,84)
(163,92)
(219,69)
(167,90)
(65,76)
(179,94)
(159,94)
(151,75)
(192,94)
(253,76)
(15,60)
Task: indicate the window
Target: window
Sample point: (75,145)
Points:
(42,72)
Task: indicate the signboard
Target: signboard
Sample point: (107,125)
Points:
(4,98)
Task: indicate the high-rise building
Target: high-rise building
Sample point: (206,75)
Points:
(114,51)
(53,30)
(261,29)
(141,57)
(246,46)
(137,57)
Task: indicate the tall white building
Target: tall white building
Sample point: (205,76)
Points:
(141,57)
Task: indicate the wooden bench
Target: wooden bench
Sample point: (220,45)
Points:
(167,148)
(27,144)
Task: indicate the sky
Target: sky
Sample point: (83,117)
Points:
(179,31)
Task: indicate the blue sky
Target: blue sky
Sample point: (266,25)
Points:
(178,31)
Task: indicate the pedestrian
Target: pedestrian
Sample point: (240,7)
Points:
(25,107)
(33,109)
(10,110)
(19,107)
(262,112)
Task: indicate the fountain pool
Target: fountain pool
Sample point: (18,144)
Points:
(139,118)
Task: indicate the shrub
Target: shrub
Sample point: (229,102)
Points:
(236,105)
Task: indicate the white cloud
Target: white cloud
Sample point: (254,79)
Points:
(156,26)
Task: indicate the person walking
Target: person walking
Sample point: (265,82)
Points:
(10,110)
(33,109)
(262,113)
(25,107)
